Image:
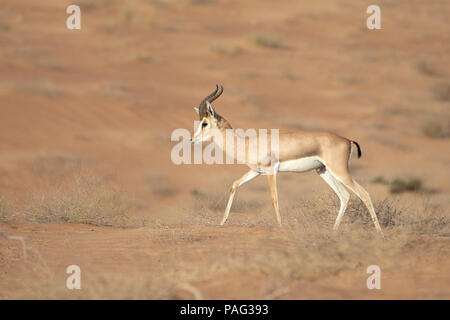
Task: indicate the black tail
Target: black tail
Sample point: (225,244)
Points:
(359,148)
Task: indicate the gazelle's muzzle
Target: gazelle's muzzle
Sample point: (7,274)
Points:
(193,141)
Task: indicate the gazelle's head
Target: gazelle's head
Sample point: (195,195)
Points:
(211,122)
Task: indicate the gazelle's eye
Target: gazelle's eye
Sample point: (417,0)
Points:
(204,124)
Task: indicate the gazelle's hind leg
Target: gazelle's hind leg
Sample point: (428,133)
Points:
(340,172)
(340,191)
(350,183)
(365,197)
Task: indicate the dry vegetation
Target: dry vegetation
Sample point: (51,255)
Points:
(436,130)
(442,91)
(304,249)
(4,214)
(269,41)
(77,198)
(227,50)
(427,69)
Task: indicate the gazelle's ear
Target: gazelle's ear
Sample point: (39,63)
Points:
(209,109)
(196,110)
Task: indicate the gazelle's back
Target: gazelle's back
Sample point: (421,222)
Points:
(300,144)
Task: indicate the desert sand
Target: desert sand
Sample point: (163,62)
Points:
(86,176)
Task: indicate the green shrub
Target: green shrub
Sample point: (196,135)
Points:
(380,179)
(400,185)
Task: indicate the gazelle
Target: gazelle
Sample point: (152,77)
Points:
(298,151)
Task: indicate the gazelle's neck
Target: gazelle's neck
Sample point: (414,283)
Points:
(250,147)
(233,145)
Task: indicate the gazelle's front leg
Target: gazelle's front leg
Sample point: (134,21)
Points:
(272,178)
(245,178)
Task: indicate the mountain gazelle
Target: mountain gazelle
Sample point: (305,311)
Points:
(297,151)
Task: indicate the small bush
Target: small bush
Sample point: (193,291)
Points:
(435,130)
(217,203)
(380,179)
(197,193)
(160,185)
(425,68)
(226,51)
(41,89)
(84,200)
(4,26)
(400,185)
(4,214)
(387,212)
(209,208)
(51,65)
(144,58)
(55,166)
(269,41)
(157,3)
(128,16)
(442,91)
(202,2)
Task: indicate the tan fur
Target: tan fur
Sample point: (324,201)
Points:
(333,151)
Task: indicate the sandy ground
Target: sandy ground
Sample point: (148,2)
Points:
(103,101)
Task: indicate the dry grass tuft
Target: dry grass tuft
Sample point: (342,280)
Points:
(41,89)
(158,3)
(387,213)
(269,41)
(379,179)
(145,58)
(441,91)
(202,2)
(426,69)
(160,185)
(231,50)
(436,130)
(56,167)
(52,65)
(4,25)
(89,5)
(82,199)
(128,16)
(5,215)
(209,208)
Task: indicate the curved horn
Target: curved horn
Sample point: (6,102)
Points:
(216,95)
(202,107)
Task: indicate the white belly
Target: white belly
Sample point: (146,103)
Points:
(301,165)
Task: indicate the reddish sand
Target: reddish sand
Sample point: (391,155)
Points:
(106,99)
